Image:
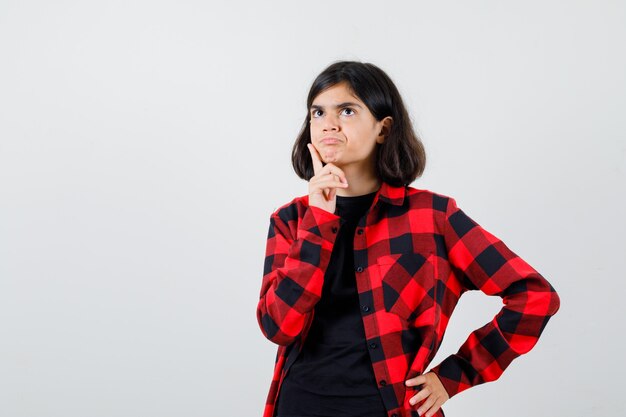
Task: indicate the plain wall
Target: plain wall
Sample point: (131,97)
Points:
(144,145)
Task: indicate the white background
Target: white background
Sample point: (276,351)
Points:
(144,144)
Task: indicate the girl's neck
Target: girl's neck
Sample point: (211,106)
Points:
(359,184)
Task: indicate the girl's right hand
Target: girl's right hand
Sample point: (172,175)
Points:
(324,182)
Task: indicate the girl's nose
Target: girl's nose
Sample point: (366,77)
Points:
(331,123)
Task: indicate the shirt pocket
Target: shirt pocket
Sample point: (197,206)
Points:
(408,286)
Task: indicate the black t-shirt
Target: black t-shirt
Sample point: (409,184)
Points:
(332,376)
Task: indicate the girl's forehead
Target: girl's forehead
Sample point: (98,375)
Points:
(336,93)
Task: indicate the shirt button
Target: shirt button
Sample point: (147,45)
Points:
(366,308)
(373,345)
(359,232)
(334,229)
(359,269)
(382,382)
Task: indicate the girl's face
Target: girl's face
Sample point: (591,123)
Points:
(343,130)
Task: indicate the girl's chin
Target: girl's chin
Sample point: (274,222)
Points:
(331,157)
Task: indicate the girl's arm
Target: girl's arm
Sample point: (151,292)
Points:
(294,270)
(484,262)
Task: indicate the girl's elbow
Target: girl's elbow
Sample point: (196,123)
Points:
(555,303)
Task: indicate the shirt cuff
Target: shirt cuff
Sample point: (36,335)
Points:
(319,222)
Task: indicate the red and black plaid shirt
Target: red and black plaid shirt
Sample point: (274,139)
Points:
(415,254)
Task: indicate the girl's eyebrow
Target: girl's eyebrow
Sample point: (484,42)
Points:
(345,104)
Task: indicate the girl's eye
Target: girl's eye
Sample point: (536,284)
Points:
(315,113)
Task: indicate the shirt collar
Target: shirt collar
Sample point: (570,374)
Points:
(386,193)
(390,194)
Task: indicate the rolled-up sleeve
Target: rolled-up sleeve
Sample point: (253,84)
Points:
(296,257)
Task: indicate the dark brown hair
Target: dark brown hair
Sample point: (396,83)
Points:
(401,158)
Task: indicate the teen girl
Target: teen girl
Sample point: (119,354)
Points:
(362,274)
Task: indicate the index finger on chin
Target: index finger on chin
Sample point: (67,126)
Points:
(317,162)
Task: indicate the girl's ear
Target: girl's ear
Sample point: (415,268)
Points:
(385,129)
